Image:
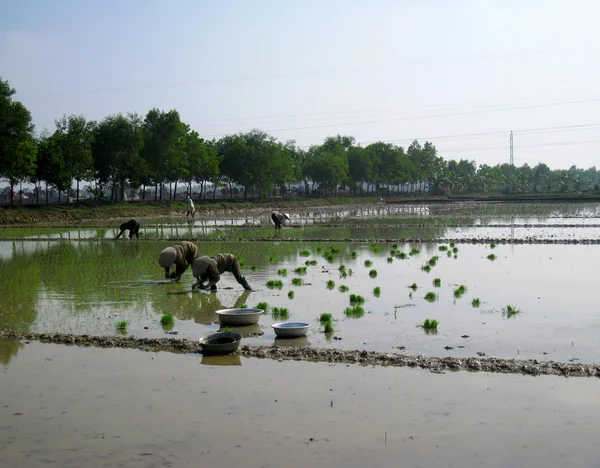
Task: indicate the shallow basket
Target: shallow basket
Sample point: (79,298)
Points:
(239,317)
(220,343)
(291,329)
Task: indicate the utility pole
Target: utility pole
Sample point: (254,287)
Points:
(512,160)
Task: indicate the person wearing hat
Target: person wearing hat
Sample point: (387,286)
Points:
(280,218)
(209,270)
(180,255)
(133,226)
(191,208)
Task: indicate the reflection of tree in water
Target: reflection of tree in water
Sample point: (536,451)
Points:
(8,349)
(199,306)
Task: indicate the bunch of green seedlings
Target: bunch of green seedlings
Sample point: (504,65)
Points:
(122,325)
(334,250)
(300,270)
(393,252)
(475,302)
(282,272)
(167,320)
(437,282)
(510,311)
(390,259)
(329,257)
(491,257)
(263,306)
(354,312)
(342,267)
(426,268)
(304,253)
(244,306)
(430,297)
(455,250)
(272,259)
(291,294)
(368,263)
(327,322)
(373,273)
(429,324)
(310,262)
(443,248)
(492,246)
(330,284)
(458,292)
(280,313)
(413,286)
(414,251)
(354,254)
(319,249)
(377,291)
(253,268)
(278,284)
(449,253)
(297,281)
(343,288)
(433,261)
(355,298)
(401,255)
(325,317)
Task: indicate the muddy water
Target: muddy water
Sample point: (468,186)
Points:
(86,287)
(90,407)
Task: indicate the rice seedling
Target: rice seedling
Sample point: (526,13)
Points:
(304,253)
(393,252)
(280,313)
(291,294)
(350,271)
(437,282)
(343,288)
(342,267)
(329,257)
(354,312)
(319,249)
(449,253)
(442,248)
(225,329)
(413,286)
(455,257)
(272,259)
(325,317)
(330,284)
(491,257)
(343,274)
(394,246)
(167,320)
(475,302)
(275,284)
(297,281)
(253,268)
(282,272)
(243,265)
(328,327)
(122,325)
(401,255)
(414,251)
(452,244)
(300,270)
(426,268)
(376,250)
(429,324)
(355,298)
(492,246)
(373,273)
(433,261)
(310,262)
(430,297)
(368,263)
(372,246)
(510,311)
(455,250)
(334,250)
(458,292)
(354,254)
(377,291)
(390,259)
(244,306)
(263,306)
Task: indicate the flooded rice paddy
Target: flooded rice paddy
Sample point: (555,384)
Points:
(77,280)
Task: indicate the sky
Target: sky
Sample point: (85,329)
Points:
(460,73)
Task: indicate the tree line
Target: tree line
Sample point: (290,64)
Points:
(158,150)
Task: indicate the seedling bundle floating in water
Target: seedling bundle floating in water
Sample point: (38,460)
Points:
(373,273)
(430,297)
(354,312)
(263,306)
(305,253)
(167,320)
(510,311)
(437,282)
(368,263)
(297,281)
(330,284)
(377,291)
(475,302)
(280,313)
(275,284)
(458,292)
(122,325)
(429,324)
(355,298)
(282,272)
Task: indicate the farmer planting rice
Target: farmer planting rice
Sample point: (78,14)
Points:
(209,270)
(280,218)
(180,255)
(133,226)
(191,210)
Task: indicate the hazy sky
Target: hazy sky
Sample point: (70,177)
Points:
(462,73)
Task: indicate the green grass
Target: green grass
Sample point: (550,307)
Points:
(244,306)
(291,294)
(278,284)
(491,257)
(328,327)
(300,270)
(325,317)
(433,261)
(475,302)
(354,254)
(437,282)
(430,297)
(368,263)
(343,274)
(429,324)
(414,251)
(253,268)
(282,272)
(342,267)
(442,248)
(510,311)
(329,257)
(225,329)
(304,253)
(297,281)
(262,305)
(334,250)
(167,320)
(243,265)
(458,292)
(122,325)
(354,312)
(355,298)
(319,249)
(272,259)
(310,262)
(426,268)
(330,284)
(413,286)
(280,313)
(393,252)
(343,288)
(373,273)
(401,255)
(377,291)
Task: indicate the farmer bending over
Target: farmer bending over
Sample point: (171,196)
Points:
(209,270)
(133,226)
(180,255)
(191,208)
(280,218)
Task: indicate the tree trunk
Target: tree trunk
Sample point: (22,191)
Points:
(230,191)
(160,189)
(156,191)
(77,198)
(122,190)
(245,192)
(59,194)
(21,192)
(46,192)
(170,191)
(175,190)
(144,192)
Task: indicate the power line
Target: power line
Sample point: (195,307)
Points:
(533,145)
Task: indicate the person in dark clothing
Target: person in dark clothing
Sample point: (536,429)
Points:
(133,226)
(180,255)
(209,270)
(280,218)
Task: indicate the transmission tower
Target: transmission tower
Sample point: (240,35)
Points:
(512,160)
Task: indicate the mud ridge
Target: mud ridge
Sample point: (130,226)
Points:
(362,357)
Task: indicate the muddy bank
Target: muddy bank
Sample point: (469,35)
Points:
(362,357)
